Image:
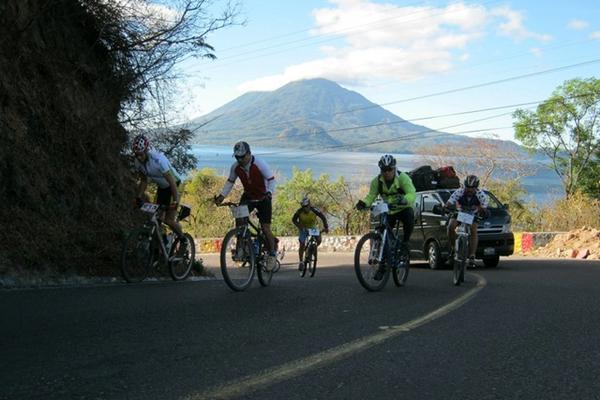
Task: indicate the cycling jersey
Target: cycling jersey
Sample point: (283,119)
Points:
(401,185)
(308,219)
(479,199)
(256,177)
(155,166)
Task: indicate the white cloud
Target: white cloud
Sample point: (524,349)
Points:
(385,41)
(595,35)
(536,51)
(577,24)
(513,26)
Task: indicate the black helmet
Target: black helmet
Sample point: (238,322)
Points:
(241,149)
(471,181)
(387,161)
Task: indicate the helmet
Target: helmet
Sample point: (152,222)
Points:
(387,161)
(305,201)
(471,181)
(140,144)
(241,149)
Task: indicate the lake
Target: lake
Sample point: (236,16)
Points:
(355,167)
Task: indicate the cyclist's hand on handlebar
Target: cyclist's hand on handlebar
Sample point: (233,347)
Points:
(219,199)
(361,205)
(401,200)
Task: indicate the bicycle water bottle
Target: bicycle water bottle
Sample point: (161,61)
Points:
(255,247)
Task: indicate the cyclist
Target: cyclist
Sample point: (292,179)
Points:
(397,190)
(468,197)
(259,183)
(153,165)
(306,218)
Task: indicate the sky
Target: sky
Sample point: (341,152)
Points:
(419,60)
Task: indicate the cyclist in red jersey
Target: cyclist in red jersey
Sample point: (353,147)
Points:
(259,183)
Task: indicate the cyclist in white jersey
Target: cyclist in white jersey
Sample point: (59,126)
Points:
(154,166)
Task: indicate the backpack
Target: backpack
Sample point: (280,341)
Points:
(423,178)
(447,178)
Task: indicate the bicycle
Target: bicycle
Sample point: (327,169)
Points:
(462,243)
(149,246)
(244,252)
(309,261)
(380,248)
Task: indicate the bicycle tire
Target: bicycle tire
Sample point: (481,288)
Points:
(264,276)
(305,260)
(237,272)
(312,268)
(137,255)
(180,269)
(365,270)
(400,273)
(460,259)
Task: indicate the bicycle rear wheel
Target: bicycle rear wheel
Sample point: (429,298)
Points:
(137,255)
(400,272)
(237,261)
(181,258)
(365,264)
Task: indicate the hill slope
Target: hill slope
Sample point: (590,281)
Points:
(315,113)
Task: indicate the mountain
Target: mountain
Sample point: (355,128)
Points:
(315,114)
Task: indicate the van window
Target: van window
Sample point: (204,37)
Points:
(428,202)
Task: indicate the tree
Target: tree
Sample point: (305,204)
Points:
(484,158)
(206,219)
(334,199)
(565,128)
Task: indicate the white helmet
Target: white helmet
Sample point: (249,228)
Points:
(387,161)
(241,149)
(305,201)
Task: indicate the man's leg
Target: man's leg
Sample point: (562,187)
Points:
(474,242)
(407,216)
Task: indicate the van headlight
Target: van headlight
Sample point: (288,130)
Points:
(507,228)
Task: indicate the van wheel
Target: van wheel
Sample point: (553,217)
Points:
(491,262)
(434,257)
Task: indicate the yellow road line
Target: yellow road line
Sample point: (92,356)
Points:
(293,369)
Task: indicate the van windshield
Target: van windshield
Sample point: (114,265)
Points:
(492,200)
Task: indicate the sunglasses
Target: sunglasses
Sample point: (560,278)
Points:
(387,169)
(239,158)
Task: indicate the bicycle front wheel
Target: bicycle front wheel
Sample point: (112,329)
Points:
(237,261)
(460,260)
(181,258)
(137,255)
(371,275)
(312,260)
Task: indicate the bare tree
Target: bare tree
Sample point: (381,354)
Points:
(484,158)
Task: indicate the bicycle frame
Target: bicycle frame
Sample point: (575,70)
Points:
(154,224)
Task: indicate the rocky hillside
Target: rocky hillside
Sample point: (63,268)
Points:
(580,243)
(64,188)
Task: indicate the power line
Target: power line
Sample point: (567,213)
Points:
(490,83)
(445,12)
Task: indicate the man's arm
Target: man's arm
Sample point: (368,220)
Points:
(373,192)
(410,193)
(322,217)
(456,195)
(230,181)
(266,173)
(173,185)
(296,219)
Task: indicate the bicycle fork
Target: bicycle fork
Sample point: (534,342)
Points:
(377,252)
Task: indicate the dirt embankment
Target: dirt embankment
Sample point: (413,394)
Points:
(65,183)
(579,243)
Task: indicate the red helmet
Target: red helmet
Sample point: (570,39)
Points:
(140,144)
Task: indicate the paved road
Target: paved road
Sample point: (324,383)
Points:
(528,331)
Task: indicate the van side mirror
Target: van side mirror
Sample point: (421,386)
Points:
(437,209)
(506,206)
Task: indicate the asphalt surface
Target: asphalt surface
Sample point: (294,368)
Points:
(528,331)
